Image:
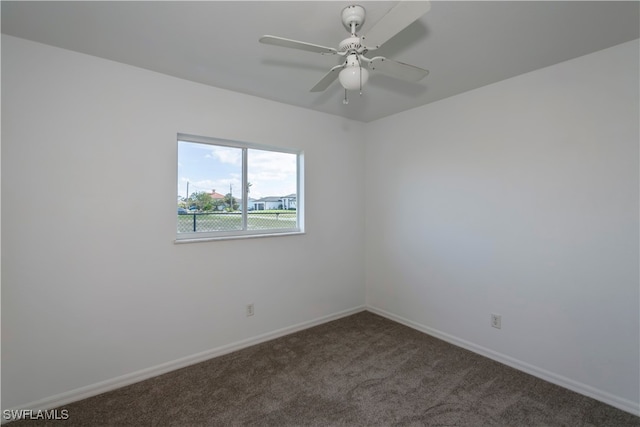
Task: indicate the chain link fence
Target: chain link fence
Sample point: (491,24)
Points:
(230,221)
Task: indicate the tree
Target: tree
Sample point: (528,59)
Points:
(201,200)
(231,202)
(182,202)
(218,204)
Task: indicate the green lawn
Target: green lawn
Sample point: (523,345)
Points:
(225,221)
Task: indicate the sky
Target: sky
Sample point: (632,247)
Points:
(207,167)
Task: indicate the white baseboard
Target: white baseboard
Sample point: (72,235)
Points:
(61,399)
(603,396)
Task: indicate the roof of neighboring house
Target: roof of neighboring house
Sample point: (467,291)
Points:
(269,199)
(274,198)
(215,195)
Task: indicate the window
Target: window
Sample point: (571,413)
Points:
(230,189)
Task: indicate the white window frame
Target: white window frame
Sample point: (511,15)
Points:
(244,232)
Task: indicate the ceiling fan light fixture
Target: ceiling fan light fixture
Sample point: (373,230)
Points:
(353,76)
(350,77)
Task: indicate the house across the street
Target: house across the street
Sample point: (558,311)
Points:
(273,202)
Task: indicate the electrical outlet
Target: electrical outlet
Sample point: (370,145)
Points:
(496,320)
(250,310)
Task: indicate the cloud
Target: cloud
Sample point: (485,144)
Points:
(271,173)
(227,155)
(265,165)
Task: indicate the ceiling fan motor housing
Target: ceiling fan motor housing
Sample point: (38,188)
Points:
(350,45)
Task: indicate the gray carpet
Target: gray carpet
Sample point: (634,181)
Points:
(362,370)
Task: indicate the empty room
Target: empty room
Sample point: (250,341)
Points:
(320,213)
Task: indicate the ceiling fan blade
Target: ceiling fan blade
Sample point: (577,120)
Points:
(327,79)
(396,20)
(294,44)
(396,69)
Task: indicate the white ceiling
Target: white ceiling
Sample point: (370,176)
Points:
(464,44)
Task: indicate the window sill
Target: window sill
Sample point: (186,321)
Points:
(247,236)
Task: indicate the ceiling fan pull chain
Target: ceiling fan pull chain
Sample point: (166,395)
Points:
(345,101)
(360,70)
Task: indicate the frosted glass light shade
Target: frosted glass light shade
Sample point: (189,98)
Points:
(350,77)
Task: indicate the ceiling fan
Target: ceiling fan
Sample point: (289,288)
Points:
(353,71)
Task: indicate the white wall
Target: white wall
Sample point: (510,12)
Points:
(525,196)
(524,202)
(93,286)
